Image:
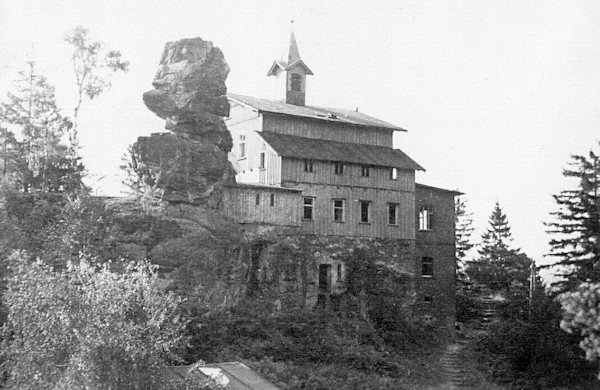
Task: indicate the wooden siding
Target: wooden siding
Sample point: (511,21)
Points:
(323,224)
(244,121)
(303,127)
(241,206)
(292,170)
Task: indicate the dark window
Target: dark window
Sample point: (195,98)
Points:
(394,174)
(262,160)
(296,82)
(308,208)
(257,199)
(339,168)
(242,153)
(427,266)
(338,210)
(272,199)
(427,299)
(308,166)
(339,272)
(364,171)
(425,218)
(364,211)
(392,213)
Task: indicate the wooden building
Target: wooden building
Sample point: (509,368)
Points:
(334,172)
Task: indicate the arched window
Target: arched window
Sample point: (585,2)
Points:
(425,215)
(296,82)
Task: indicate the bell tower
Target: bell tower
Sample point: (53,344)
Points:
(290,75)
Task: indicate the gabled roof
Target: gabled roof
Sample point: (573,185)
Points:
(336,115)
(286,66)
(292,146)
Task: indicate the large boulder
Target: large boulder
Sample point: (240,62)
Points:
(189,164)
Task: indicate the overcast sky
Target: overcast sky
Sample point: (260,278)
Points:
(495,95)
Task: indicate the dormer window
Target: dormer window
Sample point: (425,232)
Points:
(296,82)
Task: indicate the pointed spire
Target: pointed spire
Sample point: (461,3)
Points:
(293,52)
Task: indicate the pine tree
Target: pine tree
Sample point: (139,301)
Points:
(500,268)
(576,230)
(42,161)
(463,222)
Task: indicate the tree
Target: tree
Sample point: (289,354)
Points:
(500,268)
(576,230)
(463,222)
(93,65)
(581,312)
(88,326)
(42,161)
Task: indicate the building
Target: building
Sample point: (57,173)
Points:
(334,173)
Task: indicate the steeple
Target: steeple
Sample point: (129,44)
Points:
(293,52)
(290,75)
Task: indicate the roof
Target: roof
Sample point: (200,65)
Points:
(431,188)
(292,146)
(336,115)
(262,187)
(240,376)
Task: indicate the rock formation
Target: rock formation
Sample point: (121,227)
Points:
(189,164)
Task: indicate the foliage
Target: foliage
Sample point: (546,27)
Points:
(87,326)
(582,313)
(93,65)
(500,268)
(463,222)
(42,161)
(576,230)
(305,349)
(535,354)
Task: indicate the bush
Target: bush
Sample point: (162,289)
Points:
(87,327)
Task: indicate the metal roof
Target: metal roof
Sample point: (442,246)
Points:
(336,115)
(318,149)
(437,189)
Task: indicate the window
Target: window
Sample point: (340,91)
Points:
(308,166)
(242,146)
(392,213)
(364,211)
(427,266)
(308,208)
(339,272)
(394,174)
(262,160)
(364,171)
(338,168)
(272,199)
(257,199)
(425,218)
(296,82)
(338,210)
(427,299)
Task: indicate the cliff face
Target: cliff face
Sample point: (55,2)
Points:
(189,163)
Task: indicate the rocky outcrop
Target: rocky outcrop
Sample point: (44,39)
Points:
(189,164)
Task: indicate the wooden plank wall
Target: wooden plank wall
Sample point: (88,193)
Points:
(330,131)
(323,223)
(240,204)
(292,170)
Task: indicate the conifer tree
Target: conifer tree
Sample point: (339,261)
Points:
(576,229)
(463,222)
(43,161)
(500,268)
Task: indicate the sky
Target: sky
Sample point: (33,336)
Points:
(495,96)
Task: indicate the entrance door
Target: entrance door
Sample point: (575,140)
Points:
(324,285)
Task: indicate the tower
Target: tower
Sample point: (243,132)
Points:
(290,75)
